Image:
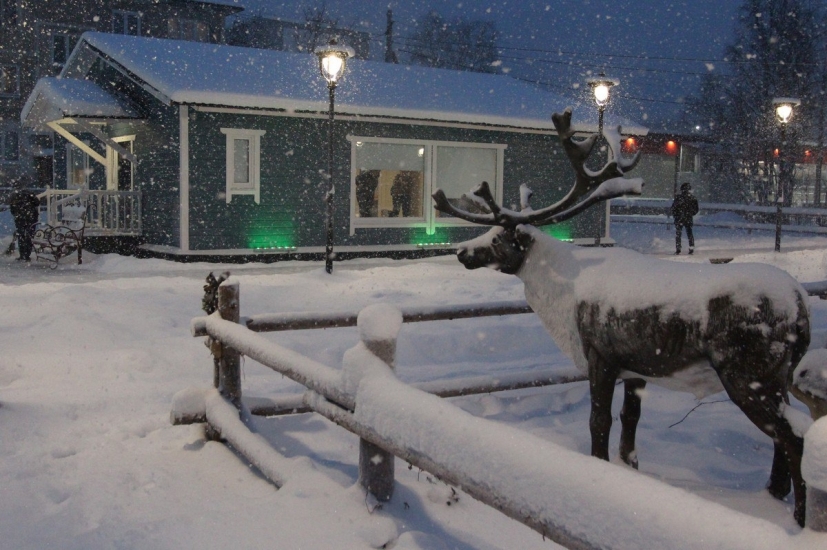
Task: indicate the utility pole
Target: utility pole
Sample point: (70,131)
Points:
(390,55)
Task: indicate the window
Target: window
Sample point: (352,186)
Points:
(61,47)
(188,29)
(10,146)
(393,179)
(243,162)
(9,81)
(126,22)
(77,167)
(9,11)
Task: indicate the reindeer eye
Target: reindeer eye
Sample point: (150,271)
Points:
(495,240)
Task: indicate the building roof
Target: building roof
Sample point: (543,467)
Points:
(58,98)
(195,73)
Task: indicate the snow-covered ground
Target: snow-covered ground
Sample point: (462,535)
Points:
(91,355)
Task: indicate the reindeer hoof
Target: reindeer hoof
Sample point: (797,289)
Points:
(630,459)
(799,515)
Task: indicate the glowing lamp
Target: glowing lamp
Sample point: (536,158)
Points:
(333,61)
(784,108)
(601,88)
(671,146)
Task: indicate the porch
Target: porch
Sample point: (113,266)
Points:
(108,213)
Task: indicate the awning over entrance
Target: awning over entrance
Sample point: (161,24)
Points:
(54,99)
(63,103)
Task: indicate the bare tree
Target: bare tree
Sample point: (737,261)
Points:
(460,44)
(319,27)
(776,53)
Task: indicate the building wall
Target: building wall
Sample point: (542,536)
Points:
(294,152)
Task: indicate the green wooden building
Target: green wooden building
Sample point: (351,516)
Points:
(204,150)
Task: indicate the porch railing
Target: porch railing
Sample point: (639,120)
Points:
(108,213)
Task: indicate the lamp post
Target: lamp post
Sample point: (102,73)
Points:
(784,111)
(332,61)
(601,89)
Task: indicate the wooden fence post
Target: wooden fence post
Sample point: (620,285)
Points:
(229,366)
(814,471)
(376,465)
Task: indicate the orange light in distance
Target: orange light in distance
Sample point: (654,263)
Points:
(671,147)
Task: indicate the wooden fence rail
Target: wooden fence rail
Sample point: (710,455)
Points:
(548,488)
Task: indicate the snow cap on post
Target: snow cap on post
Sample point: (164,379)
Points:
(379,322)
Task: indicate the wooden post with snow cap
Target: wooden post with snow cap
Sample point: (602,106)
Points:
(229,367)
(814,472)
(378,328)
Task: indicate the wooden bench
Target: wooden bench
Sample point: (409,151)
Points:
(53,242)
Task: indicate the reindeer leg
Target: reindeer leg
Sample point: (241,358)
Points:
(629,416)
(761,403)
(779,484)
(601,384)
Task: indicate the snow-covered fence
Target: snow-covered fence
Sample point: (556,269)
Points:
(576,500)
(795,219)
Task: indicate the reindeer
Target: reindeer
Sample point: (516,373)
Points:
(699,328)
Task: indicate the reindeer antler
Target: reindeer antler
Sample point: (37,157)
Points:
(600,185)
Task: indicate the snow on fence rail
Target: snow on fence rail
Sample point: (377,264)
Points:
(794,218)
(576,500)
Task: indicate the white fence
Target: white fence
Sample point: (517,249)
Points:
(108,213)
(577,501)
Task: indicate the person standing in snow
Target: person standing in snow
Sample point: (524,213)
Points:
(25,208)
(684,208)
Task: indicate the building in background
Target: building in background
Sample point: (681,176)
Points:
(290,36)
(37,37)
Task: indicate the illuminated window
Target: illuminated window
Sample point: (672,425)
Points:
(393,180)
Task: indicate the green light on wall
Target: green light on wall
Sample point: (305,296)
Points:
(267,233)
(420,237)
(561,232)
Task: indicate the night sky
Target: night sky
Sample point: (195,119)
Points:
(657,49)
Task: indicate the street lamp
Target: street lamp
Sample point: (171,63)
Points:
(332,61)
(601,88)
(784,111)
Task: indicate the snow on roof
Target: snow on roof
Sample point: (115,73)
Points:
(57,98)
(229,76)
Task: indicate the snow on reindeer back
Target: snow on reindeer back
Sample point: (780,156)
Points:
(625,281)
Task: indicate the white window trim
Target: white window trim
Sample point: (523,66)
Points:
(254,136)
(428,221)
(112,157)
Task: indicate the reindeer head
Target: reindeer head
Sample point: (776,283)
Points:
(504,246)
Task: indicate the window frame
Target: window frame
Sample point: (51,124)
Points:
(184,28)
(254,169)
(429,220)
(16,85)
(54,37)
(122,18)
(71,151)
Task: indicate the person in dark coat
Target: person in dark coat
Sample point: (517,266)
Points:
(684,208)
(25,208)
